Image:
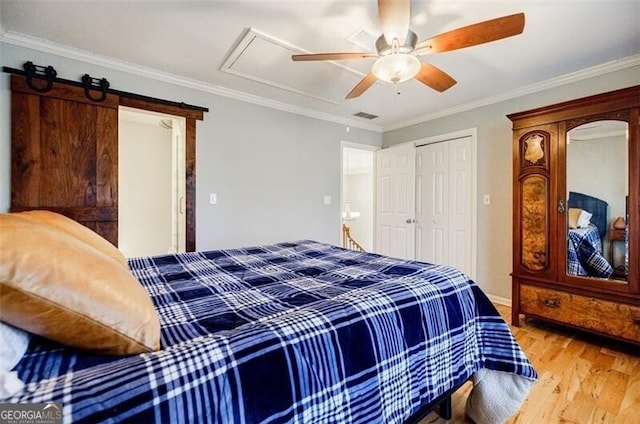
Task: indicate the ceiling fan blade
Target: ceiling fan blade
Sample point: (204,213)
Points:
(435,78)
(331,56)
(362,86)
(473,35)
(394,19)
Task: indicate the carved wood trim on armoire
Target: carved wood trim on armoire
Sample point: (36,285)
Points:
(546,283)
(64,154)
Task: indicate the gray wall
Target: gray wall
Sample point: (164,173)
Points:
(270,169)
(494,165)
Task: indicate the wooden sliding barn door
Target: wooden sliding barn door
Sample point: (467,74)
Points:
(65,155)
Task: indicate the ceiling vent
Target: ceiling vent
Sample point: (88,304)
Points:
(261,58)
(365,115)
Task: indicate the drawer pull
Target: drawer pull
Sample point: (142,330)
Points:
(551,303)
(636,320)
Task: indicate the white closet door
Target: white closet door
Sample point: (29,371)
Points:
(395,201)
(460,204)
(444,203)
(432,193)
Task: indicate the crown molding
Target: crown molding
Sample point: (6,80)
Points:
(602,69)
(46,46)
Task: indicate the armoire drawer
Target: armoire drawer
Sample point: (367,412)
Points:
(599,315)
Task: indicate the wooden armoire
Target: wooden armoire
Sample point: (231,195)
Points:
(576,214)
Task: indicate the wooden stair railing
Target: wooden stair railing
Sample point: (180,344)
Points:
(348,242)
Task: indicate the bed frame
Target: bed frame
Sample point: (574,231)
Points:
(442,402)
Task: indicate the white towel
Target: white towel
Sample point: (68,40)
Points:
(496,396)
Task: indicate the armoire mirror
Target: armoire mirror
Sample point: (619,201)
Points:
(597,167)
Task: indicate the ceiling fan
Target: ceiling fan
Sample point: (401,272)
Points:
(397,48)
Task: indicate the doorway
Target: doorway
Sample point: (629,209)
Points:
(358,188)
(151,193)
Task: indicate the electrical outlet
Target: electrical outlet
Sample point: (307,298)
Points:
(487,199)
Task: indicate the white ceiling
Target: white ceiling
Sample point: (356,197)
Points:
(208,43)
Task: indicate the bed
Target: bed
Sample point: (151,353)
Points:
(584,241)
(290,332)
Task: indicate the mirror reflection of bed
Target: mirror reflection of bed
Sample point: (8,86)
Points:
(597,192)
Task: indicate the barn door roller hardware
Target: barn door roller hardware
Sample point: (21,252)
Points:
(89,83)
(48,73)
(101,84)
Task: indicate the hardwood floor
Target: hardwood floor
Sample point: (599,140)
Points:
(581,378)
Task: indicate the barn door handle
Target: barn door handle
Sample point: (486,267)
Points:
(89,82)
(32,70)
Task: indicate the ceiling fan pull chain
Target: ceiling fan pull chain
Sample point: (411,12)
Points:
(102,84)
(48,73)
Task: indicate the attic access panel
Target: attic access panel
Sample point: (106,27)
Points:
(264,59)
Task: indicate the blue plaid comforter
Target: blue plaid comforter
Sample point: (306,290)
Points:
(292,332)
(584,253)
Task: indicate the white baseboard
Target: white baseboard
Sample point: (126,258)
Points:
(499,300)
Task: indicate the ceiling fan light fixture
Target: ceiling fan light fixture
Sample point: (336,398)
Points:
(395,46)
(396,68)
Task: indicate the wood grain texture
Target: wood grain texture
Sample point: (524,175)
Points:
(362,86)
(601,305)
(634,200)
(62,91)
(106,157)
(77,213)
(590,313)
(587,106)
(583,379)
(190,170)
(534,225)
(26,167)
(108,230)
(68,153)
(64,155)
(162,108)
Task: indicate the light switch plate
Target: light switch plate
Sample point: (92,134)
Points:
(327,200)
(213,198)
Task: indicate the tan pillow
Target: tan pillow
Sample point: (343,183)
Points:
(574,215)
(56,286)
(78,231)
